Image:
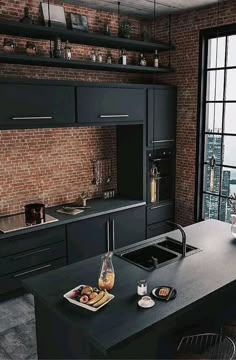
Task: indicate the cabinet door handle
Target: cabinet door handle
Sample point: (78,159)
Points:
(113,235)
(29,254)
(157,207)
(32,118)
(31,271)
(161,141)
(108,235)
(114,116)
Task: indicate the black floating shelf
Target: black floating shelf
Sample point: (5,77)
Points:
(50,33)
(76,64)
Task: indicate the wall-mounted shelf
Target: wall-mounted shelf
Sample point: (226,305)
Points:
(76,64)
(15,28)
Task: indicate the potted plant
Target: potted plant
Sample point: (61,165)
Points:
(232,202)
(125,29)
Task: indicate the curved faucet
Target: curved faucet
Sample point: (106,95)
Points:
(177,226)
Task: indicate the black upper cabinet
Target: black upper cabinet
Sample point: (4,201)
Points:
(88,238)
(110,105)
(128,227)
(26,106)
(161,116)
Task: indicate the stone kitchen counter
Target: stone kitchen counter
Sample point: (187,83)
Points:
(122,329)
(97,207)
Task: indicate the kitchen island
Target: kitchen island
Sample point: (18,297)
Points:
(205,282)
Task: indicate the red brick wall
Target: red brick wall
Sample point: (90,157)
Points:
(185,60)
(54,165)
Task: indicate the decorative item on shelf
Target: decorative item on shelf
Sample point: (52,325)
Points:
(156,59)
(57,50)
(123,57)
(79,22)
(30,48)
(82,199)
(93,56)
(106,278)
(99,56)
(53,15)
(107,30)
(125,29)
(9,45)
(67,50)
(26,18)
(232,202)
(144,31)
(142,60)
(109,58)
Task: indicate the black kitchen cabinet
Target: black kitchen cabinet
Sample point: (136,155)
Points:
(34,105)
(87,238)
(128,227)
(110,105)
(29,254)
(91,237)
(161,124)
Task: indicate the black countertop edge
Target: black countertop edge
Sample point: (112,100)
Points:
(105,207)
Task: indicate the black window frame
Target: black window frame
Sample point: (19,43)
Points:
(205,36)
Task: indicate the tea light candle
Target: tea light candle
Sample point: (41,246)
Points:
(142,287)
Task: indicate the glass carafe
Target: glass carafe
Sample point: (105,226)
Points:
(107,275)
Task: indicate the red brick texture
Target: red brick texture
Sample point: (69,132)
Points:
(54,165)
(185,60)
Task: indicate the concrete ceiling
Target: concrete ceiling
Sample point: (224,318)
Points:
(144,8)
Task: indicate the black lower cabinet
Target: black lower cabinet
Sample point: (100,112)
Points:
(23,256)
(87,238)
(157,215)
(91,237)
(128,227)
(158,229)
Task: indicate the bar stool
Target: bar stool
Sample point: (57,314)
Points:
(206,346)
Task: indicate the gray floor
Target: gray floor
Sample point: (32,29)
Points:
(17,329)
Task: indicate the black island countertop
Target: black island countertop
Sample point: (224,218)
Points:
(97,206)
(197,278)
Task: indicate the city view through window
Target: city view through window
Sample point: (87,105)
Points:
(220,128)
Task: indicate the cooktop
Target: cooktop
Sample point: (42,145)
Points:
(17,222)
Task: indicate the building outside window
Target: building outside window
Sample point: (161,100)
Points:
(217,125)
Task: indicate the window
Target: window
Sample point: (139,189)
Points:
(218,126)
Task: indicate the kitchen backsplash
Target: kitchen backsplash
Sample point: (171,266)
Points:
(52,165)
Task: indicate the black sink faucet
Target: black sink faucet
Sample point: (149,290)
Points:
(177,226)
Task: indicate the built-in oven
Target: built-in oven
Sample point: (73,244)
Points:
(160,175)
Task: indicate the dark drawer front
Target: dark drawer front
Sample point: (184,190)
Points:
(158,213)
(13,281)
(32,257)
(110,105)
(35,239)
(157,229)
(36,105)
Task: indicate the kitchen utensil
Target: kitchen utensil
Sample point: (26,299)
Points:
(34,214)
(109,172)
(146,302)
(94,181)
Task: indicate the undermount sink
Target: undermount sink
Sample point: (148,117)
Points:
(176,246)
(156,255)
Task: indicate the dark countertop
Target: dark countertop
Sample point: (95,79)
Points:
(196,277)
(98,207)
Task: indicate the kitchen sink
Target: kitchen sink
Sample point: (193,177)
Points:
(174,245)
(156,255)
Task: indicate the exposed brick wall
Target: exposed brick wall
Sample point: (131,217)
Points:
(185,60)
(54,165)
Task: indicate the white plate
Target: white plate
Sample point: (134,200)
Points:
(69,296)
(146,305)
